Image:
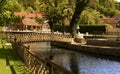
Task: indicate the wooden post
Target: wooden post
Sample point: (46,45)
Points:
(50,66)
(15,39)
(29,47)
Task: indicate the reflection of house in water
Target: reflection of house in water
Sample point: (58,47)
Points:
(29,23)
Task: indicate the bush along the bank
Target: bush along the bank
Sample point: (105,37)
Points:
(92,29)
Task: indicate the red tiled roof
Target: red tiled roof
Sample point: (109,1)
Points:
(29,17)
(29,14)
(30,22)
(21,14)
(109,20)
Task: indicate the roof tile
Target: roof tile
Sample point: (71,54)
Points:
(30,22)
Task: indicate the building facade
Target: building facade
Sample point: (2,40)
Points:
(29,23)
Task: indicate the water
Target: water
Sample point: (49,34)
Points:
(77,62)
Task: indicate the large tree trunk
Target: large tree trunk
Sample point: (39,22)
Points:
(51,25)
(63,26)
(80,6)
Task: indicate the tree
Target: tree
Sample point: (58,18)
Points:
(107,7)
(27,3)
(29,9)
(7,9)
(13,6)
(37,5)
(56,12)
(79,7)
(2,3)
(90,16)
(5,18)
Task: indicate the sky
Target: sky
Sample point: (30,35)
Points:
(118,0)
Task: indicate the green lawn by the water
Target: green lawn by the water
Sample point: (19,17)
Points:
(10,62)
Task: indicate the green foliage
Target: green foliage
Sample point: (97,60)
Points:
(107,7)
(29,9)
(57,11)
(5,18)
(39,20)
(13,5)
(6,13)
(90,16)
(37,5)
(27,3)
(108,26)
(16,19)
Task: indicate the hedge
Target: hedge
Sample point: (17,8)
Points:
(99,29)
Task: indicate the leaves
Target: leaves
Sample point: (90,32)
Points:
(13,5)
(7,8)
(90,16)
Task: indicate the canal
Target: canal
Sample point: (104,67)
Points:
(78,62)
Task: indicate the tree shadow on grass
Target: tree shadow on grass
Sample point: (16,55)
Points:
(10,58)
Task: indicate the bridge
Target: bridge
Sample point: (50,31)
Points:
(33,37)
(47,65)
(36,64)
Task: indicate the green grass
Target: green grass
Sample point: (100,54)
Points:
(10,62)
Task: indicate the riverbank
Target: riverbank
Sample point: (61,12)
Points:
(103,50)
(10,62)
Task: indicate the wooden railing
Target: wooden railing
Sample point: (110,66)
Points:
(40,37)
(36,64)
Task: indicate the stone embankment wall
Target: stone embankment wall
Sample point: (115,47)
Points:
(111,43)
(114,51)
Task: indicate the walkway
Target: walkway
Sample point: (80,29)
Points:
(10,63)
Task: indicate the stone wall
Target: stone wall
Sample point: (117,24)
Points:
(111,43)
(114,51)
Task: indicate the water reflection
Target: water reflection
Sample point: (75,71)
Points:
(78,63)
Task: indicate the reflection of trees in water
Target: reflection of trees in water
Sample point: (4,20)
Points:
(74,64)
(78,63)
(41,49)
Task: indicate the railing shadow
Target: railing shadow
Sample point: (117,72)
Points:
(10,60)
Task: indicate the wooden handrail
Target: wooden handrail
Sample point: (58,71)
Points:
(36,64)
(54,64)
(40,37)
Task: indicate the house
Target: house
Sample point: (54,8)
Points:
(117,17)
(112,21)
(28,23)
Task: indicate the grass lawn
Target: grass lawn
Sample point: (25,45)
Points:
(10,62)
